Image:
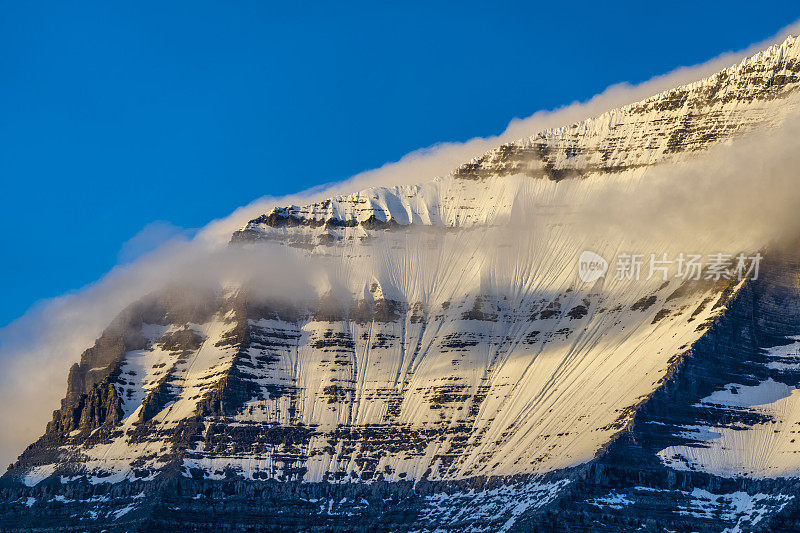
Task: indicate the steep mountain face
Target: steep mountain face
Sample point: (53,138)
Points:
(450,370)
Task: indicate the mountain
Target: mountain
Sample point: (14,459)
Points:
(447,368)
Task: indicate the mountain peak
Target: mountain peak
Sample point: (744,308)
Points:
(452,377)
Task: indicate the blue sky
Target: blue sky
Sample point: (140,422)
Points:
(116,116)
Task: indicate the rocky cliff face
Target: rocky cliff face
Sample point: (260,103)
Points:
(453,377)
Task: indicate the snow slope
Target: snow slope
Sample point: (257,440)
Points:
(768,448)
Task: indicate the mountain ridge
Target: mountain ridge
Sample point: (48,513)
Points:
(553,153)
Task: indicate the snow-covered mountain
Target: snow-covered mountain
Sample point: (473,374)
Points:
(450,369)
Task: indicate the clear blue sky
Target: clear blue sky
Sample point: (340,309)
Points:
(117,114)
